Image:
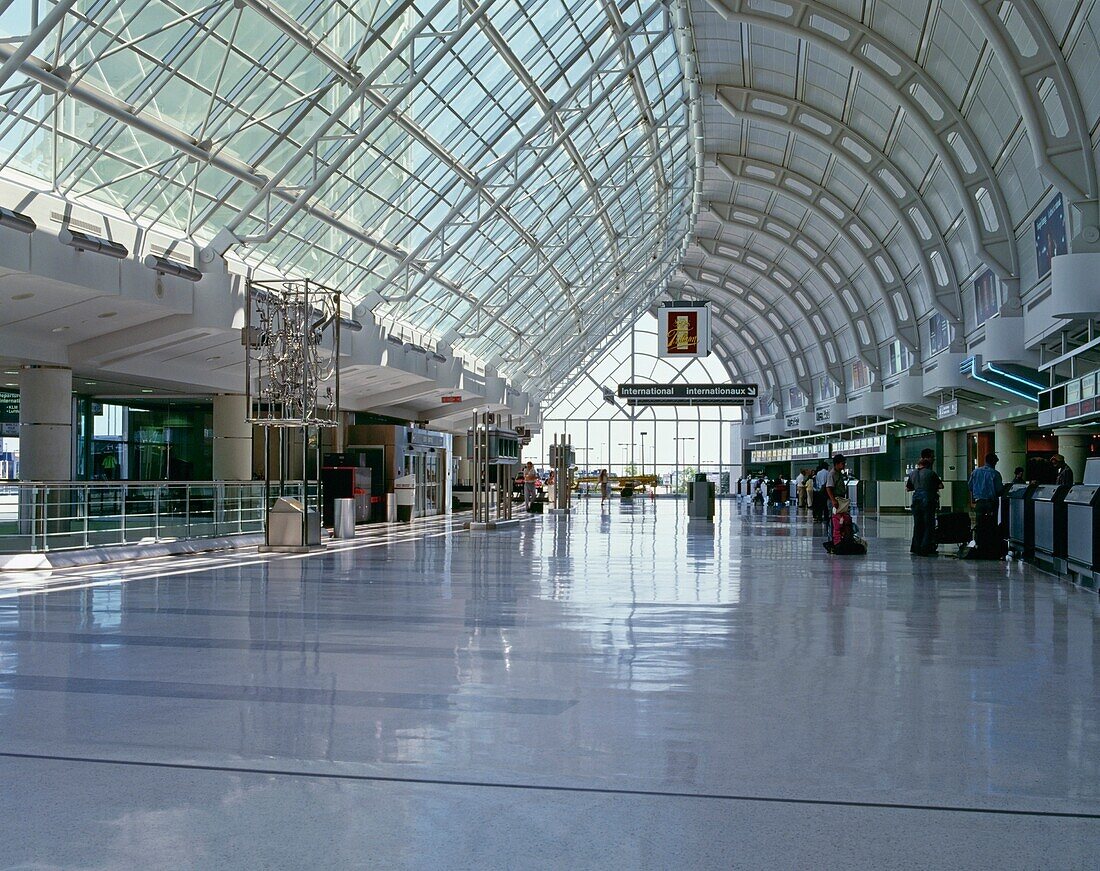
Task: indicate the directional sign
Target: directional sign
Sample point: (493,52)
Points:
(689,394)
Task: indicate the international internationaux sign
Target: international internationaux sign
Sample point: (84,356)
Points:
(689,394)
(683,330)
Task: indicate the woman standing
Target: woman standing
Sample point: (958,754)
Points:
(605,489)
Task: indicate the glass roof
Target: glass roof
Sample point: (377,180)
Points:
(498,178)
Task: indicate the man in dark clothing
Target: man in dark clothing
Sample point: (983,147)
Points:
(925,485)
(1065,473)
(820,498)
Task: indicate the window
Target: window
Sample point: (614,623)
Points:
(898,358)
(860,374)
(795,398)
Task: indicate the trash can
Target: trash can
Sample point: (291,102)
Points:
(391,508)
(701,498)
(404,489)
(343,518)
(284,524)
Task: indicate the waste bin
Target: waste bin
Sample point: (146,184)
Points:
(404,489)
(391,508)
(701,498)
(285,526)
(344,512)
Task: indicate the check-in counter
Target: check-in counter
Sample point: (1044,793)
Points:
(1049,505)
(1083,525)
(1021,519)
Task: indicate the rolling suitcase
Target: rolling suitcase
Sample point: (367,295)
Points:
(953,527)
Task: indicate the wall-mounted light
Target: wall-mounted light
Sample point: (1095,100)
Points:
(84,242)
(164,266)
(17,221)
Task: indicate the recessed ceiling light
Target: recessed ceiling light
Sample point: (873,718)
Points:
(212,359)
(11,384)
(107,315)
(59,329)
(10,372)
(146,390)
(89,384)
(22,296)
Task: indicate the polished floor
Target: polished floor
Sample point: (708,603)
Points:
(623,689)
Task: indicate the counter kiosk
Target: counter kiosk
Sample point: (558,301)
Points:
(1021,519)
(1049,505)
(1083,525)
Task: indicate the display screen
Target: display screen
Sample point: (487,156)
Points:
(1050,235)
(985,297)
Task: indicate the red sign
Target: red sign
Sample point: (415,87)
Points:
(683,332)
(446,399)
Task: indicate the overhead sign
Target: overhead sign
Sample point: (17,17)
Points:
(683,330)
(9,407)
(447,399)
(947,409)
(689,394)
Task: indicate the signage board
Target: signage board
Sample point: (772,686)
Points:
(9,407)
(689,394)
(448,399)
(947,409)
(823,415)
(794,421)
(1050,235)
(683,330)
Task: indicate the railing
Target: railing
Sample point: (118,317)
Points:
(38,517)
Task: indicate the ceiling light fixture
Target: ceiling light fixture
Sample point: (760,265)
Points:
(86,242)
(19,297)
(164,266)
(17,221)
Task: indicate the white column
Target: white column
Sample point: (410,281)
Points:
(232,459)
(1075,448)
(953,463)
(45,423)
(1010,443)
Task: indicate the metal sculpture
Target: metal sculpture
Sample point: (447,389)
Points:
(292,375)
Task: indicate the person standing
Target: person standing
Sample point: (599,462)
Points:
(1018,476)
(796,486)
(986,488)
(530,476)
(836,485)
(605,487)
(820,498)
(925,485)
(1065,473)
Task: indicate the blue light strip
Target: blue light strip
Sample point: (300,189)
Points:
(974,374)
(1038,387)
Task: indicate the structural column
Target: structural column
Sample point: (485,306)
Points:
(1010,443)
(953,462)
(1074,446)
(45,423)
(232,459)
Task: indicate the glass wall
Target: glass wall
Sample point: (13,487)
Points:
(671,442)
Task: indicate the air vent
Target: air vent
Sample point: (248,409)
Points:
(76,223)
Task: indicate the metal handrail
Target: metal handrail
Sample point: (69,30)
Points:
(39,516)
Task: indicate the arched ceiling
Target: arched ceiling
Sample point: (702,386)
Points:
(866,158)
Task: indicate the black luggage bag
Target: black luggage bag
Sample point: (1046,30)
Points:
(953,527)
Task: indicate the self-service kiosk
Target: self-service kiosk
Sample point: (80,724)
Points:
(1083,525)
(1021,519)
(1049,505)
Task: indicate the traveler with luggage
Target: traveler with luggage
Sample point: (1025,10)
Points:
(836,485)
(925,485)
(986,488)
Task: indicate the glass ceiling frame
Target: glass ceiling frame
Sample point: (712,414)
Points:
(495,178)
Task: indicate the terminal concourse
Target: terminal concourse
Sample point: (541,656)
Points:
(498,433)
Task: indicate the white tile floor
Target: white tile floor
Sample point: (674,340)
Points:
(619,689)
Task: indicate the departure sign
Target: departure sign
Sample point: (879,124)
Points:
(683,330)
(689,394)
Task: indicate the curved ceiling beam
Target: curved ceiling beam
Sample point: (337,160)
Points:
(876,169)
(776,323)
(881,266)
(822,265)
(737,257)
(926,105)
(736,332)
(1065,159)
